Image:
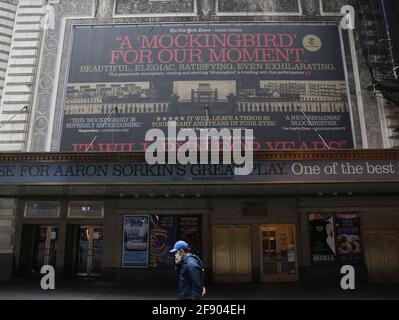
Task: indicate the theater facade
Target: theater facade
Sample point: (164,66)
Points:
(77,192)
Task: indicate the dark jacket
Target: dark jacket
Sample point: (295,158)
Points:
(191,278)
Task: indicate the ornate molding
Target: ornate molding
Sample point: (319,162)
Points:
(46,80)
(206,7)
(310,6)
(103,8)
(333,8)
(258,8)
(155,8)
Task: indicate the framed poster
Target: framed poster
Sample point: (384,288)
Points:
(162,239)
(135,241)
(189,229)
(348,239)
(322,238)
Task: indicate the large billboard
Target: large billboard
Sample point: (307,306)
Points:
(286,82)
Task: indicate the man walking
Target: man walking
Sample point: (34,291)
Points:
(191,272)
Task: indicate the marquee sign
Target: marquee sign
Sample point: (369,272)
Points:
(268,171)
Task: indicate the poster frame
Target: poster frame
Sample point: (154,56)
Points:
(123,266)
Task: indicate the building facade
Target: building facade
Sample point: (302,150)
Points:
(83,200)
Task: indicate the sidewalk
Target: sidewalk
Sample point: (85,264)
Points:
(101,290)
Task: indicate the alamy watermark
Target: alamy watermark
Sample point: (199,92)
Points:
(47,282)
(204,146)
(348,280)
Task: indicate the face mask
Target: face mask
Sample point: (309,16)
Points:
(178,258)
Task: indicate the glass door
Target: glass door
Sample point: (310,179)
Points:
(287,253)
(89,252)
(96,253)
(44,247)
(269,263)
(278,253)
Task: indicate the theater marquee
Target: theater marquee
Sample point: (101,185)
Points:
(140,173)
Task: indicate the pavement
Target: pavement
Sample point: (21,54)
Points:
(103,290)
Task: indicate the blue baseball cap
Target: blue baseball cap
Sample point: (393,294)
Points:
(179,245)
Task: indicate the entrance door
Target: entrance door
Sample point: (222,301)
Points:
(382,255)
(278,253)
(232,253)
(45,247)
(38,248)
(89,251)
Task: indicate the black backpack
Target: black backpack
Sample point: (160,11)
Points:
(201,266)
